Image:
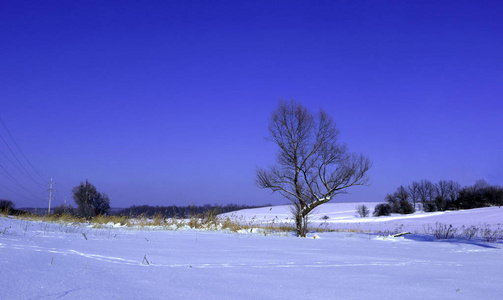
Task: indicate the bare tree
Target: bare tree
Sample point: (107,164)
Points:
(414,193)
(312,167)
(426,192)
(447,190)
(441,188)
(362,211)
(453,190)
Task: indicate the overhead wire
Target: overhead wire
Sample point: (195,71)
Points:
(20,151)
(19,167)
(22,166)
(13,179)
(7,188)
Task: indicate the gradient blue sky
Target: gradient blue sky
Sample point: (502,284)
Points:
(166,102)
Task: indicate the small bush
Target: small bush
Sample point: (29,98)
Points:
(469,232)
(406,207)
(362,211)
(429,206)
(491,235)
(399,202)
(6,205)
(382,209)
(441,231)
(64,209)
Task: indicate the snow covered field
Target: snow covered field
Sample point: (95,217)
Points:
(60,261)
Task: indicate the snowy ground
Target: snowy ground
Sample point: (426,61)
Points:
(56,261)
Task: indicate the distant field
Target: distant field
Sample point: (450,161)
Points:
(343,216)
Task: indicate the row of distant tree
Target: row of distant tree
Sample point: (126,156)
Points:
(91,203)
(440,196)
(174,211)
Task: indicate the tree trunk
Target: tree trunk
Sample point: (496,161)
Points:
(301,225)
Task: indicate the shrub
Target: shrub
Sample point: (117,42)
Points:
(442,231)
(89,201)
(382,209)
(362,211)
(64,209)
(429,206)
(491,235)
(6,205)
(399,202)
(406,207)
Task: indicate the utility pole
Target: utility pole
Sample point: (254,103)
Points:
(50,193)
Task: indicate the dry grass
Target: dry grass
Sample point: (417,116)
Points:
(208,221)
(232,224)
(102,220)
(66,218)
(158,220)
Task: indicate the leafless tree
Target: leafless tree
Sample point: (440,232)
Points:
(426,191)
(414,193)
(312,167)
(441,188)
(362,211)
(447,189)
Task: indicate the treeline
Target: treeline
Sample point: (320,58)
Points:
(440,196)
(174,211)
(7,207)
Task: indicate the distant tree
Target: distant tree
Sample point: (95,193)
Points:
(430,206)
(413,190)
(382,209)
(441,188)
(481,194)
(453,190)
(426,191)
(494,195)
(64,209)
(174,211)
(362,211)
(312,167)
(446,192)
(399,201)
(481,184)
(89,201)
(6,205)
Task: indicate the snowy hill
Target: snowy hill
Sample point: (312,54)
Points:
(343,216)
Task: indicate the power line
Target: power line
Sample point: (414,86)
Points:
(10,160)
(22,153)
(19,162)
(12,178)
(26,171)
(16,192)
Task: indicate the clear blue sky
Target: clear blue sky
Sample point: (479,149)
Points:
(166,102)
